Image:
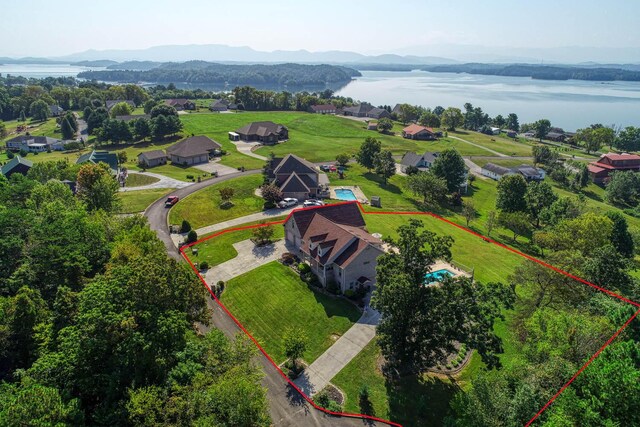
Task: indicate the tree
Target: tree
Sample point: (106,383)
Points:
(23,117)
(385,165)
(430,119)
(39,110)
(369,150)
(192,236)
(408,113)
(120,109)
(543,155)
(512,190)
(512,122)
(582,178)
(385,125)
(66,129)
(491,222)
(451,118)
(159,127)
(408,340)
(98,188)
(562,208)
(431,188)
(621,238)
(342,159)
(541,128)
(141,129)
(3,129)
(163,110)
(294,344)
(263,234)
(538,196)
(148,106)
(185,227)
(628,139)
(499,121)
(623,188)
(449,165)
(226,193)
(583,234)
(516,222)
(271,194)
(468,211)
(122,157)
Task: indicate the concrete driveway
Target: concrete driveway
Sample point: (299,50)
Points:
(216,166)
(249,257)
(246,148)
(164,182)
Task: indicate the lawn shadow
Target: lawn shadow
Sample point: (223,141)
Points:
(417,400)
(336,306)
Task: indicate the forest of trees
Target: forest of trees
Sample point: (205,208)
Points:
(98,325)
(227,74)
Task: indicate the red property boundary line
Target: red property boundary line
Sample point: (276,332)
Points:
(485,238)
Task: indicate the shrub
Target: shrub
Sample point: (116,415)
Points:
(350,293)
(411,170)
(23,152)
(287,258)
(333,287)
(192,236)
(10,155)
(269,205)
(189,176)
(304,268)
(204,265)
(227,204)
(185,227)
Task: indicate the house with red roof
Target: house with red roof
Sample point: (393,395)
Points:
(333,240)
(418,132)
(610,162)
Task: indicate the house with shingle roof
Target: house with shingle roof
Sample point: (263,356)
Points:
(323,109)
(333,240)
(131,117)
(16,165)
(418,132)
(96,157)
(268,133)
(180,104)
(56,110)
(422,162)
(193,150)
(610,162)
(378,113)
(152,158)
(219,105)
(297,177)
(110,103)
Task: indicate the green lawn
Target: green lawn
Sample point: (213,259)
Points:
(506,162)
(499,143)
(138,180)
(220,248)
(272,298)
(203,207)
(137,201)
(46,128)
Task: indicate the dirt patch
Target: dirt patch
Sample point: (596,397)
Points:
(334,393)
(335,337)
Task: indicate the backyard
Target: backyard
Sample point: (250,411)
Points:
(138,201)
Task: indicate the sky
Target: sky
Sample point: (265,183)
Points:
(61,27)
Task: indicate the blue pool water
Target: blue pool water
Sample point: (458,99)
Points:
(437,276)
(345,194)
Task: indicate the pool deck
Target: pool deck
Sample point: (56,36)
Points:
(443,265)
(356,192)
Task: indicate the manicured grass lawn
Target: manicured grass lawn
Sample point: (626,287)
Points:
(499,143)
(137,201)
(203,207)
(506,162)
(46,128)
(138,180)
(220,248)
(272,298)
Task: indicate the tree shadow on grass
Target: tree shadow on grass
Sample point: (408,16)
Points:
(417,400)
(336,306)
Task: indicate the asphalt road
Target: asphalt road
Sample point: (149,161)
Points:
(286,406)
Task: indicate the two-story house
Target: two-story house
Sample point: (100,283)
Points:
(297,177)
(607,163)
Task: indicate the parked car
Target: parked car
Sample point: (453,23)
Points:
(287,202)
(325,168)
(312,202)
(171,200)
(332,168)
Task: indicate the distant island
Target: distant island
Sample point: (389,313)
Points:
(284,75)
(540,72)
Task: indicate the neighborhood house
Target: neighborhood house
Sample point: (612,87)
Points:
(422,162)
(180,104)
(152,158)
(56,110)
(334,242)
(418,132)
(607,163)
(297,178)
(366,110)
(323,109)
(268,133)
(16,165)
(529,173)
(193,150)
(96,157)
(222,105)
(35,144)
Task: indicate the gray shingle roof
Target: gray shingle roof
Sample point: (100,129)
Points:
(260,128)
(17,160)
(193,146)
(153,155)
(292,163)
(498,170)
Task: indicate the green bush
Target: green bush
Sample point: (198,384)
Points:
(333,287)
(204,265)
(10,155)
(185,227)
(192,236)
(304,268)
(189,176)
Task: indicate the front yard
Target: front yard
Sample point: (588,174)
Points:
(272,298)
(138,201)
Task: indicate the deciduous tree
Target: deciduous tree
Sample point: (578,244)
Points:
(366,156)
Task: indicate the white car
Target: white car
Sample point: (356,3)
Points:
(312,202)
(287,202)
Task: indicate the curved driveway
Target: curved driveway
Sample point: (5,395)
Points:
(286,406)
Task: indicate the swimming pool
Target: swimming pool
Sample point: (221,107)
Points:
(437,276)
(345,194)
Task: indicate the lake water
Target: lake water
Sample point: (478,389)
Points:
(570,104)
(39,71)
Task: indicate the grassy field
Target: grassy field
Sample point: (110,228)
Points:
(203,207)
(220,248)
(272,298)
(506,162)
(137,201)
(35,128)
(499,143)
(138,180)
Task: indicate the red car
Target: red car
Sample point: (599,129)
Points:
(332,168)
(172,200)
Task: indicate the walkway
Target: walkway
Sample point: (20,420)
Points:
(479,146)
(216,166)
(249,257)
(164,182)
(316,376)
(246,149)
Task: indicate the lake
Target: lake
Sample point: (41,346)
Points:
(570,104)
(39,71)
